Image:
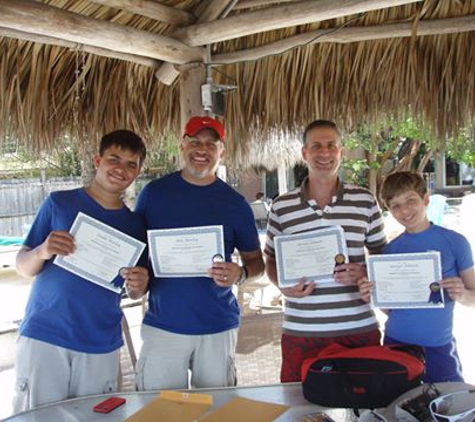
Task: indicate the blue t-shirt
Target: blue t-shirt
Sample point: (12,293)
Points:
(429,327)
(64,309)
(196,305)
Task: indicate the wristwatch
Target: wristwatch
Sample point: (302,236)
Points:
(243,276)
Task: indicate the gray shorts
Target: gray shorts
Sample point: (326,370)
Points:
(46,373)
(171,361)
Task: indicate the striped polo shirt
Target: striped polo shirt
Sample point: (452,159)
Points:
(332,309)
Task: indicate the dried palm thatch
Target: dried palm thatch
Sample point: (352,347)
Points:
(47,91)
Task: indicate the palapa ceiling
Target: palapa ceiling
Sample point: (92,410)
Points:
(84,67)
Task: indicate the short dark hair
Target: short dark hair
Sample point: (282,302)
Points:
(321,123)
(126,140)
(401,182)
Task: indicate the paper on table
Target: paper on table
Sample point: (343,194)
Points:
(173,406)
(240,408)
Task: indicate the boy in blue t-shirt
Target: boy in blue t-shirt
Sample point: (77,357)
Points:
(71,333)
(405,194)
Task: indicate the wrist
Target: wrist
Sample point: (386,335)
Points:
(243,277)
(42,253)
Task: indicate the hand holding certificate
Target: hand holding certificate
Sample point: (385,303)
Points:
(101,251)
(406,280)
(185,252)
(313,255)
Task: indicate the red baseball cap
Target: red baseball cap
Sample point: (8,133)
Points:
(197,123)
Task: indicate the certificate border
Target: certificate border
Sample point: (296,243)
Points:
(278,240)
(84,218)
(436,262)
(153,234)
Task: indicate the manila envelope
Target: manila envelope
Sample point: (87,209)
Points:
(239,409)
(173,406)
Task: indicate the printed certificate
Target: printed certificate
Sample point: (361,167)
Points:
(406,280)
(310,254)
(101,251)
(185,252)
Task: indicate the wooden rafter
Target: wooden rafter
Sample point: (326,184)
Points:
(249,4)
(102,52)
(168,73)
(152,10)
(353,34)
(213,10)
(276,18)
(40,19)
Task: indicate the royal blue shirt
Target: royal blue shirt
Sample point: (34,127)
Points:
(429,327)
(64,309)
(196,305)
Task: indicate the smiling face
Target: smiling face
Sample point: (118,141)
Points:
(322,152)
(409,209)
(116,169)
(201,155)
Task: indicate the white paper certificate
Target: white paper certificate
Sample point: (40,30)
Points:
(310,254)
(101,251)
(406,280)
(185,252)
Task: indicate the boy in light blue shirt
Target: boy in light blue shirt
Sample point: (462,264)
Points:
(405,194)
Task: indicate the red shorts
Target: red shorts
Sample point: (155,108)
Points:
(296,349)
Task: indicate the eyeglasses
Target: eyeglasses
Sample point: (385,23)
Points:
(454,407)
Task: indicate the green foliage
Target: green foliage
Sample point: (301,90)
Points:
(62,161)
(388,139)
(355,170)
(462,147)
(162,156)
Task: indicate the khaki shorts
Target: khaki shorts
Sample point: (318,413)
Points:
(176,361)
(46,373)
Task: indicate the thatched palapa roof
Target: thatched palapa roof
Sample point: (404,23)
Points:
(84,67)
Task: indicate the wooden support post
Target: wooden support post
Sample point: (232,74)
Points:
(192,77)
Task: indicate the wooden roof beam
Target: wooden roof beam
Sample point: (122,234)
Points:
(213,10)
(278,17)
(168,73)
(40,19)
(349,35)
(24,36)
(152,10)
(249,4)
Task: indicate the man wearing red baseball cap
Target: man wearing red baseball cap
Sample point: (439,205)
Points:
(192,322)
(198,123)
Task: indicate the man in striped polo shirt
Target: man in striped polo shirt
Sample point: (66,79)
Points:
(314,315)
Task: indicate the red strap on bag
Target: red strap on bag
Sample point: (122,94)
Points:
(414,366)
